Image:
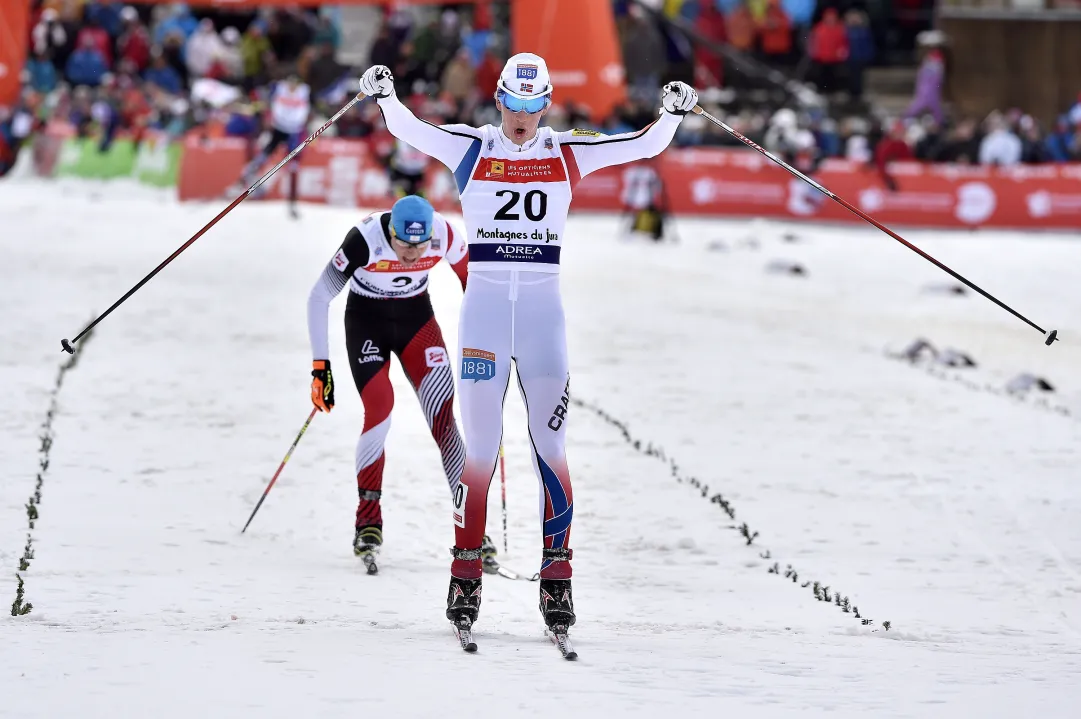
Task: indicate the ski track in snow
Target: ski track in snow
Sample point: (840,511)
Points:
(949,512)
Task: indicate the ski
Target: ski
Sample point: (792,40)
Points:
(562,641)
(511,574)
(465,638)
(369,561)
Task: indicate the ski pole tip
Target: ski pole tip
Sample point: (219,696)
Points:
(1051,337)
(66,345)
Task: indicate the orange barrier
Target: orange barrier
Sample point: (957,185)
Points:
(14,34)
(578,41)
(711,182)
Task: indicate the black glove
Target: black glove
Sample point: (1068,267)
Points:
(322,385)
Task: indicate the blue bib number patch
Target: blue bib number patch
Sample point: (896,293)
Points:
(478,365)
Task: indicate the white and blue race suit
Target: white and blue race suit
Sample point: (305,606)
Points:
(515,200)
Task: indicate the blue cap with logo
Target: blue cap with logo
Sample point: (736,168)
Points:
(411,219)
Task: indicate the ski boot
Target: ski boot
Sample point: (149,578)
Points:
(488,562)
(366,545)
(463,602)
(556,604)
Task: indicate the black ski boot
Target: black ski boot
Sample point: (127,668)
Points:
(366,544)
(556,604)
(463,602)
(463,597)
(488,562)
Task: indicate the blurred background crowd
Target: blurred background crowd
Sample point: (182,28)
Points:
(100,67)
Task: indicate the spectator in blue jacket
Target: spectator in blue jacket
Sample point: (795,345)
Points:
(41,72)
(162,74)
(86,65)
(861,50)
(106,13)
(179,21)
(1059,141)
(801,12)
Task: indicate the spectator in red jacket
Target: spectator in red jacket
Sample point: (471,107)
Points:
(740,26)
(708,65)
(775,32)
(828,48)
(488,74)
(134,41)
(892,148)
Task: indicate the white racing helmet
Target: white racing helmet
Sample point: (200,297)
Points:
(524,83)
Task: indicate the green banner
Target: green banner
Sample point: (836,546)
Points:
(154,162)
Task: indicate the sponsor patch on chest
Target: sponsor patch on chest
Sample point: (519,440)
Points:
(543,169)
(424,263)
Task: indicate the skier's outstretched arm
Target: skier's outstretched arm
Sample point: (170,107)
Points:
(446,143)
(352,255)
(592,151)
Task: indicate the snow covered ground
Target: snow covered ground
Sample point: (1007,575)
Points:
(929,497)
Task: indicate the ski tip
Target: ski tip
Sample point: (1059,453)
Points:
(1051,337)
(470,648)
(373,568)
(571,656)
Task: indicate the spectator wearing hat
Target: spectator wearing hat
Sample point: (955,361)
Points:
(929,79)
(775,33)
(229,63)
(49,36)
(740,26)
(133,44)
(1059,142)
(86,66)
(162,74)
(203,49)
(105,14)
(459,77)
(861,50)
(1000,146)
(828,49)
(891,148)
(708,64)
(178,21)
(95,33)
(257,55)
(41,73)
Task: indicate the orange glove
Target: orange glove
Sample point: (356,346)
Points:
(322,385)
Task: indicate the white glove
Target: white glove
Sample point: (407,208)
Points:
(377,82)
(678,98)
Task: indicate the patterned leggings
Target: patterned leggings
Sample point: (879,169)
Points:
(375,328)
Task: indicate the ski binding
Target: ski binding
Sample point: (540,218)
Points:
(559,637)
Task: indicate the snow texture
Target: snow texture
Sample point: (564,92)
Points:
(925,493)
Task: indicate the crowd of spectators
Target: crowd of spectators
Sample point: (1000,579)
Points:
(102,68)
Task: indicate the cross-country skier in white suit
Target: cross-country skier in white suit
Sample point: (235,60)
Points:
(515,183)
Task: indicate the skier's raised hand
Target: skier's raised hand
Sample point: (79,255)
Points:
(377,82)
(678,98)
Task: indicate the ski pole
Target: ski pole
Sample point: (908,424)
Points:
(503,487)
(67,344)
(280,468)
(1051,336)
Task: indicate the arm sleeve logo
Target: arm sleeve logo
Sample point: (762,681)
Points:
(341,261)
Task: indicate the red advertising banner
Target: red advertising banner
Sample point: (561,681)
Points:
(14,33)
(710,182)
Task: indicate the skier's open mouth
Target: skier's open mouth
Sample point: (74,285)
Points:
(519,132)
